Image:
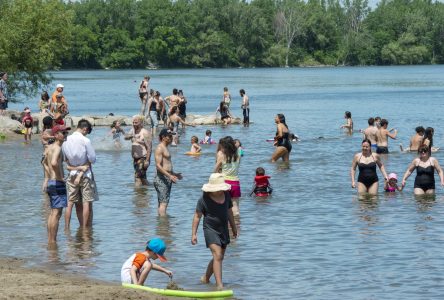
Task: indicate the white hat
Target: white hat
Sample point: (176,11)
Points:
(60,86)
(216,183)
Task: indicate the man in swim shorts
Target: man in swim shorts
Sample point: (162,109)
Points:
(371,132)
(140,150)
(55,184)
(245,108)
(382,140)
(165,176)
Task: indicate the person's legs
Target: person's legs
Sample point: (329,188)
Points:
(418,191)
(163,189)
(373,189)
(218,256)
(53,224)
(235,207)
(430,192)
(278,153)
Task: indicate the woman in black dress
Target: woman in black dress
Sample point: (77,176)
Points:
(215,205)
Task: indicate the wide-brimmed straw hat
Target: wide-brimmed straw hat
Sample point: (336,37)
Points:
(216,183)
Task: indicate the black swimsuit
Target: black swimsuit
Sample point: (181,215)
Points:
(425,178)
(367,173)
(284,141)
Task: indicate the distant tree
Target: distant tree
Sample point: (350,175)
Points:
(31,43)
(289,23)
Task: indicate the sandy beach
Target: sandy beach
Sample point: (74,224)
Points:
(19,282)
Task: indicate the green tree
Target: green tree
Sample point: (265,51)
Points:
(30,45)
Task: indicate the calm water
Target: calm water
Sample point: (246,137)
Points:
(314,239)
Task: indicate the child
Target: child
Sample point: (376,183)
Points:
(208,139)
(261,186)
(27,122)
(195,148)
(240,150)
(116,132)
(135,269)
(391,185)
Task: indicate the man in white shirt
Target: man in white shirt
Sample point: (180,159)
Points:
(80,155)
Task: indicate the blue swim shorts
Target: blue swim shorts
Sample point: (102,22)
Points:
(57,194)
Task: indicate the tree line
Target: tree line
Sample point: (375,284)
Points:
(41,35)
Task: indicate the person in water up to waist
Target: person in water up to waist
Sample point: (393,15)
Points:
(382,137)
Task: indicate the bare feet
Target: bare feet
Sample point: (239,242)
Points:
(204,279)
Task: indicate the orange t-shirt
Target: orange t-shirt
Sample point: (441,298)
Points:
(139,260)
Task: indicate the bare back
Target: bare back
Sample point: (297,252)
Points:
(371,133)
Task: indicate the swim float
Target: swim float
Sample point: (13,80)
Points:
(181,293)
(193,153)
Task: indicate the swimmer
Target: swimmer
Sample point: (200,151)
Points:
(136,268)
(366,161)
(349,122)
(282,141)
(391,185)
(261,185)
(425,166)
(416,140)
(195,148)
(116,132)
(371,132)
(208,139)
(382,137)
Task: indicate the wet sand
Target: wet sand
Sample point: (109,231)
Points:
(19,282)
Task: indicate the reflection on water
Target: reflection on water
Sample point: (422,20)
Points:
(315,238)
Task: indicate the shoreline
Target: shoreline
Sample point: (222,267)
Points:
(21,282)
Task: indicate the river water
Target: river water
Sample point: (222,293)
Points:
(313,239)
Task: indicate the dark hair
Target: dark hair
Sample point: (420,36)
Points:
(378,118)
(367,141)
(2,74)
(348,114)
(47,122)
(173,110)
(114,124)
(194,138)
(242,91)
(419,129)
(226,145)
(237,140)
(157,93)
(260,171)
(222,106)
(83,123)
(281,118)
(371,121)
(428,135)
(208,132)
(384,122)
(225,89)
(45,96)
(180,92)
(174,91)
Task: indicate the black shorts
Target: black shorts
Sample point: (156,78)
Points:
(382,150)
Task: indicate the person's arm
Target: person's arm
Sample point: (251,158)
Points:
(197,148)
(46,173)
(219,161)
(392,135)
(160,269)
(439,170)
(380,165)
(148,140)
(129,135)
(66,105)
(279,131)
(353,171)
(195,225)
(408,172)
(232,223)
(90,152)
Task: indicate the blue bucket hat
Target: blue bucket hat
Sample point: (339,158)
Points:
(157,246)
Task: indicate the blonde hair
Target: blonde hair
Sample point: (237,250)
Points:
(194,139)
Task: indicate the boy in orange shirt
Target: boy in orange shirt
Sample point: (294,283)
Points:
(136,268)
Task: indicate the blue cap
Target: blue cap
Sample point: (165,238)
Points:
(157,246)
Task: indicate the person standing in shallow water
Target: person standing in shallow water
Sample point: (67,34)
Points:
(383,135)
(425,166)
(143,93)
(366,161)
(3,93)
(216,207)
(348,123)
(140,150)
(281,140)
(165,177)
(245,108)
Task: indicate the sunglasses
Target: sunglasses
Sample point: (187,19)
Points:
(423,151)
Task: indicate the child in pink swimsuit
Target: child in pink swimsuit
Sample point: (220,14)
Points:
(391,185)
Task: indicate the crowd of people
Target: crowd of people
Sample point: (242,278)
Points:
(375,144)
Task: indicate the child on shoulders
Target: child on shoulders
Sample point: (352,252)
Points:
(136,268)
(261,185)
